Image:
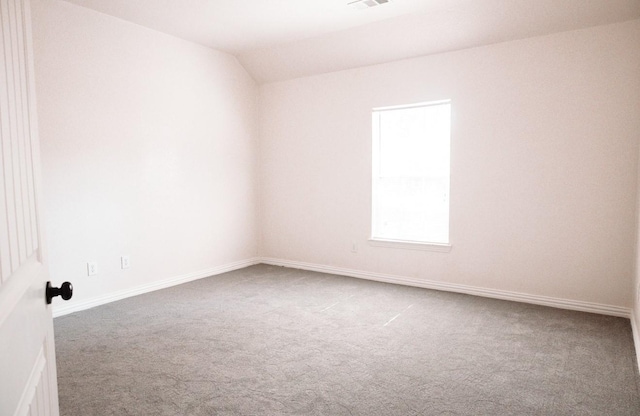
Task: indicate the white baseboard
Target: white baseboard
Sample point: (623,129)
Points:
(636,334)
(453,287)
(139,290)
(380,277)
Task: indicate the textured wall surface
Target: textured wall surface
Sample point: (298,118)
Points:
(148,150)
(543,170)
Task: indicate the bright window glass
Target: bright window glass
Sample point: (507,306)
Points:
(411,167)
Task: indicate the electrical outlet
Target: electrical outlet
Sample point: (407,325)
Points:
(124,262)
(92,269)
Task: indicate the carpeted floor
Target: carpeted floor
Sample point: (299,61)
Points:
(268,340)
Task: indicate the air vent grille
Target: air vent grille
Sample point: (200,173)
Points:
(365,4)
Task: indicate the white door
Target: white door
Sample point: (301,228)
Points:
(27,358)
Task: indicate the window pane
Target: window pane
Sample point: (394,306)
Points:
(411,174)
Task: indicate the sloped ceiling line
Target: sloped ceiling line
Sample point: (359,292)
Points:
(284,39)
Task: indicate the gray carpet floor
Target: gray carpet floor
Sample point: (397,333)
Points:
(268,340)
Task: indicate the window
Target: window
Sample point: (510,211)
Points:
(411,158)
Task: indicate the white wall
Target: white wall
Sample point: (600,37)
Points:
(544,165)
(636,281)
(148,149)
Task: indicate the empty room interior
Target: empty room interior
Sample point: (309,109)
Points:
(335,207)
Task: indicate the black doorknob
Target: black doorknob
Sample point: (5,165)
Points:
(65,291)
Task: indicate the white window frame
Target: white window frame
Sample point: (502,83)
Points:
(400,244)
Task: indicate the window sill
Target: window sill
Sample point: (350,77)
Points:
(411,245)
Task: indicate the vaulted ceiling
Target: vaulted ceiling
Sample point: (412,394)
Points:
(282,39)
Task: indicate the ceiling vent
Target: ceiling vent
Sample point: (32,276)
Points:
(365,4)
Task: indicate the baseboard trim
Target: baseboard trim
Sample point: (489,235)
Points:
(458,288)
(611,310)
(139,290)
(636,335)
